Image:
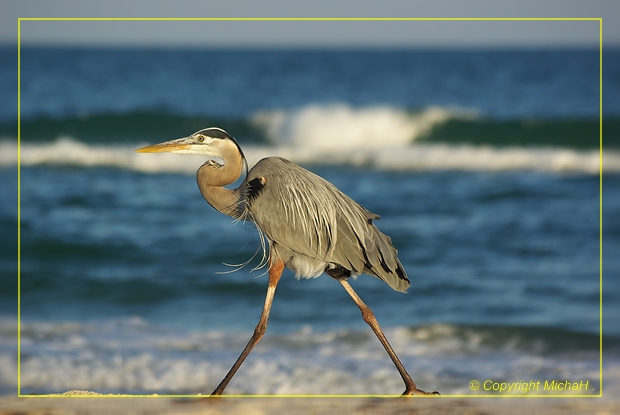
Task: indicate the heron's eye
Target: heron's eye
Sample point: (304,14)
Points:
(201,138)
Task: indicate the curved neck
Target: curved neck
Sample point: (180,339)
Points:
(224,200)
(211,178)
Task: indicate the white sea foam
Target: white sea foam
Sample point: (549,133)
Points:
(342,127)
(417,157)
(134,356)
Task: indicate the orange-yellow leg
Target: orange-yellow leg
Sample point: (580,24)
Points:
(275,272)
(369,317)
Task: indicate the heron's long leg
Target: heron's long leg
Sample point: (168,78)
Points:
(275,271)
(369,318)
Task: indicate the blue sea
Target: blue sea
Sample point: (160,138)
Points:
(483,164)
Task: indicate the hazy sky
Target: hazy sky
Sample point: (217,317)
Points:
(380,34)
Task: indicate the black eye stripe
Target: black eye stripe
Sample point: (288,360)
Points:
(215,133)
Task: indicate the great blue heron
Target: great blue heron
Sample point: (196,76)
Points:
(311,227)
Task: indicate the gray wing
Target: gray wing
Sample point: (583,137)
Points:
(308,215)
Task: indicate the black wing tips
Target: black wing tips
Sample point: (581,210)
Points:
(403,282)
(395,278)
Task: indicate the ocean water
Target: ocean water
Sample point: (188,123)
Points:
(483,164)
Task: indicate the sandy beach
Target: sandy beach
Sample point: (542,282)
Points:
(86,403)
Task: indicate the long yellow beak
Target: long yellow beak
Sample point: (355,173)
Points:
(166,147)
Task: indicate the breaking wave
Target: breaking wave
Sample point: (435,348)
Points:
(381,137)
(342,127)
(67,151)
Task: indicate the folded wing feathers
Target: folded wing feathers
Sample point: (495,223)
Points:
(323,223)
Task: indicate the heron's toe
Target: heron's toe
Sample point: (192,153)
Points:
(420,392)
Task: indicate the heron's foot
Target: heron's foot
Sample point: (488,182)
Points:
(416,391)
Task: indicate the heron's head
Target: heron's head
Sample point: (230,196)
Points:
(212,142)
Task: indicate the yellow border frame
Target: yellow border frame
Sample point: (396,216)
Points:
(599,19)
